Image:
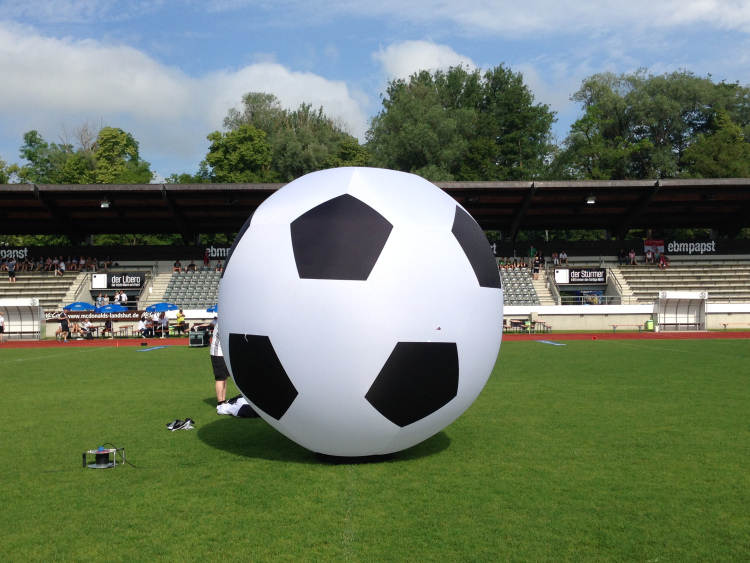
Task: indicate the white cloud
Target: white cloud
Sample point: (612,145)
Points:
(513,18)
(48,83)
(401,60)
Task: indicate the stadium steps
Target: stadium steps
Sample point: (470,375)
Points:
(542,291)
(49,289)
(159,286)
(724,283)
(82,278)
(626,293)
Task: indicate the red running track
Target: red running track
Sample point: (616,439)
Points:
(626,335)
(512,337)
(96,343)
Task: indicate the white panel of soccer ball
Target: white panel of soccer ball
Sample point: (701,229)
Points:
(332,337)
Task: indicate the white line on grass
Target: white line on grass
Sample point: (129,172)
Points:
(664,348)
(52,355)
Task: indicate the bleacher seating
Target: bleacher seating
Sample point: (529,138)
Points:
(517,287)
(193,290)
(725,283)
(45,286)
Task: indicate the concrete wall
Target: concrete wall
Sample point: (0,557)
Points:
(602,317)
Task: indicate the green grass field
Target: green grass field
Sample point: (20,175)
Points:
(630,450)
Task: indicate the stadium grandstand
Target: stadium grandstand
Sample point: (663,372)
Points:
(592,291)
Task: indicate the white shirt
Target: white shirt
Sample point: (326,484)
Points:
(215,349)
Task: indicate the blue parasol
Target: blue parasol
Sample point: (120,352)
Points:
(79,306)
(213,309)
(161,308)
(111,308)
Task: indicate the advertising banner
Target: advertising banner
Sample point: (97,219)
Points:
(653,245)
(580,276)
(118,280)
(78,316)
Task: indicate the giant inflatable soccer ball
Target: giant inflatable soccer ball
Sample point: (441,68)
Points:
(361,311)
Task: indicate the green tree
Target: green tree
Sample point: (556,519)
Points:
(117,160)
(462,125)
(240,155)
(45,160)
(5,172)
(639,125)
(301,140)
(724,153)
(113,158)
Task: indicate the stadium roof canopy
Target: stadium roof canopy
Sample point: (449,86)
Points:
(191,209)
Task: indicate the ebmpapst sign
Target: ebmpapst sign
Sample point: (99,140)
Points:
(679,247)
(704,247)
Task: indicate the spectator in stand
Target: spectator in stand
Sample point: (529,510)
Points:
(11,265)
(60,269)
(219,267)
(177,266)
(206,259)
(631,258)
(663,262)
(81,263)
(555,259)
(106,300)
(622,256)
(123,298)
(48,264)
(107,263)
(191,267)
(532,255)
(107,329)
(39,264)
(100,300)
(537,265)
(90,264)
(563,257)
(657,256)
(649,257)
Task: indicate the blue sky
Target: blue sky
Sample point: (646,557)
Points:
(168,71)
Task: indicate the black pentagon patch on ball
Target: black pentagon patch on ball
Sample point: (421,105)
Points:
(258,373)
(340,239)
(477,249)
(417,379)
